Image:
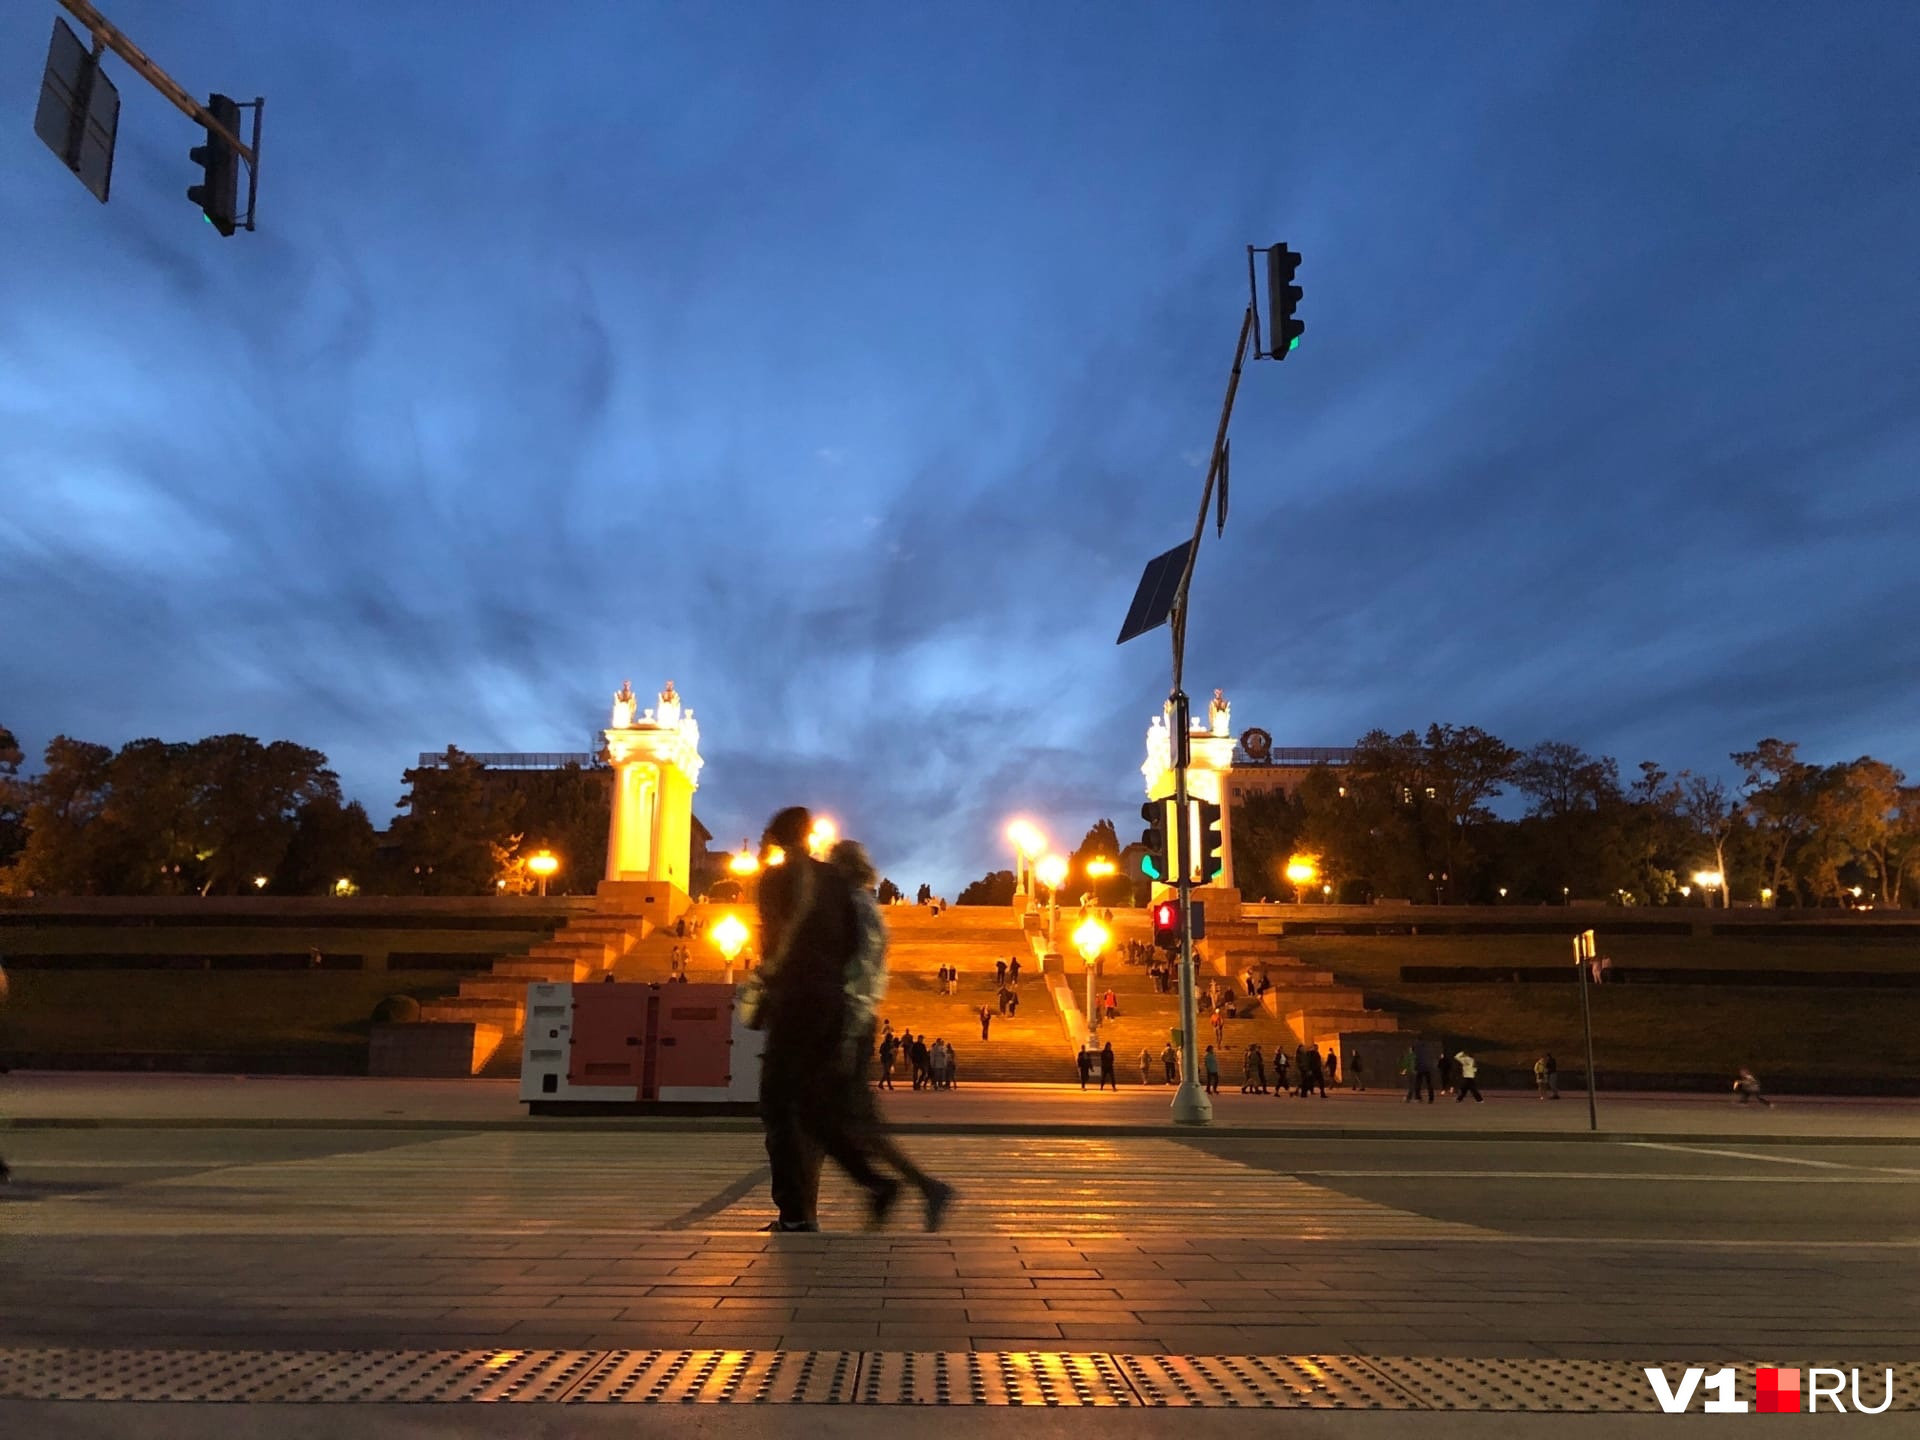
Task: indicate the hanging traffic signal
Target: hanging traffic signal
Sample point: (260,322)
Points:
(1166,924)
(218,194)
(1282,295)
(1157,863)
(1209,840)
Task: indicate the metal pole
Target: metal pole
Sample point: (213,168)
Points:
(1586,1022)
(1190,1103)
(104,32)
(1093,1020)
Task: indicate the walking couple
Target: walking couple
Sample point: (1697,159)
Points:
(819,986)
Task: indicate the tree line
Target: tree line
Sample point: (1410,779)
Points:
(221,815)
(1409,818)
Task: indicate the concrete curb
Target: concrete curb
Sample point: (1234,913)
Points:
(708,1124)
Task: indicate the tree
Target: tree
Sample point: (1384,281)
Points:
(1465,768)
(1711,813)
(1778,803)
(246,798)
(1855,810)
(993,888)
(331,842)
(565,811)
(63,803)
(13,802)
(1903,844)
(453,836)
(1102,842)
(1571,839)
(1266,832)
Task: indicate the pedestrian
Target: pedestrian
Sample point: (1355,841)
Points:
(1553,1077)
(1170,1062)
(1000,971)
(1422,1069)
(813,1096)
(938,1058)
(1746,1086)
(1085,1061)
(1146,1066)
(1354,1073)
(1333,1068)
(1409,1067)
(1246,1071)
(1219,1028)
(1540,1078)
(922,1062)
(1446,1072)
(1211,1066)
(1317,1072)
(889,1052)
(1107,1077)
(1469,1083)
(1013,1003)
(1110,1004)
(1279,1072)
(952,1068)
(1259,1070)
(1013,971)
(865,986)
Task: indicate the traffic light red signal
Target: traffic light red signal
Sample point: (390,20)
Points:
(1166,924)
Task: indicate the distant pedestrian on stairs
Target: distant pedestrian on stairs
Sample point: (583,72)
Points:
(1170,1060)
(1107,1077)
(1146,1067)
(986,1021)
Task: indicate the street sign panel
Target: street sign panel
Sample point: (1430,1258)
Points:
(1153,601)
(79,113)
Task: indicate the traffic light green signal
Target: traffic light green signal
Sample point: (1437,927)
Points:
(1157,863)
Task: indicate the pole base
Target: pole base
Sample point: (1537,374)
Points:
(1191,1105)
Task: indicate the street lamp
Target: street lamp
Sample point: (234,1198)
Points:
(1051,872)
(1027,843)
(259,882)
(821,837)
(1090,938)
(744,861)
(1708,881)
(1100,868)
(543,863)
(730,934)
(1302,872)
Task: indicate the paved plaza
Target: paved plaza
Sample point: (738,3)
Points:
(182,1220)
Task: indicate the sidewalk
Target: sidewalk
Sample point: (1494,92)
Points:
(67,1099)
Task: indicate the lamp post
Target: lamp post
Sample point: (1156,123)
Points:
(1101,868)
(543,863)
(1302,872)
(1027,843)
(730,934)
(1708,881)
(821,837)
(1051,871)
(1090,938)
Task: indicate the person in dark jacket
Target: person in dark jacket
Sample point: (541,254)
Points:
(808,1079)
(1107,1077)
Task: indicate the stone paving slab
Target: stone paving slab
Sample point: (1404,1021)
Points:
(84,1099)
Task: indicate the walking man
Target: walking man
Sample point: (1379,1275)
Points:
(1468,1083)
(1170,1061)
(1146,1066)
(986,1021)
(1553,1077)
(809,1075)
(1086,1066)
(1211,1067)
(1333,1068)
(1107,1077)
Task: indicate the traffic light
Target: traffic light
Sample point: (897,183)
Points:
(1157,863)
(219,191)
(1166,924)
(1284,331)
(1210,837)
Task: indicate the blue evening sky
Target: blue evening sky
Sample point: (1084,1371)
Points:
(846,362)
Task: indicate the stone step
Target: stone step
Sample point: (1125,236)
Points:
(551,968)
(507,1015)
(493,987)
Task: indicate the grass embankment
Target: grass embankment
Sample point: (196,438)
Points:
(202,1012)
(1654,1030)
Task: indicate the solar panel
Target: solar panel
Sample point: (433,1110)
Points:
(1153,601)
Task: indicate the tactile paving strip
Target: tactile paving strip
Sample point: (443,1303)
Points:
(848,1377)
